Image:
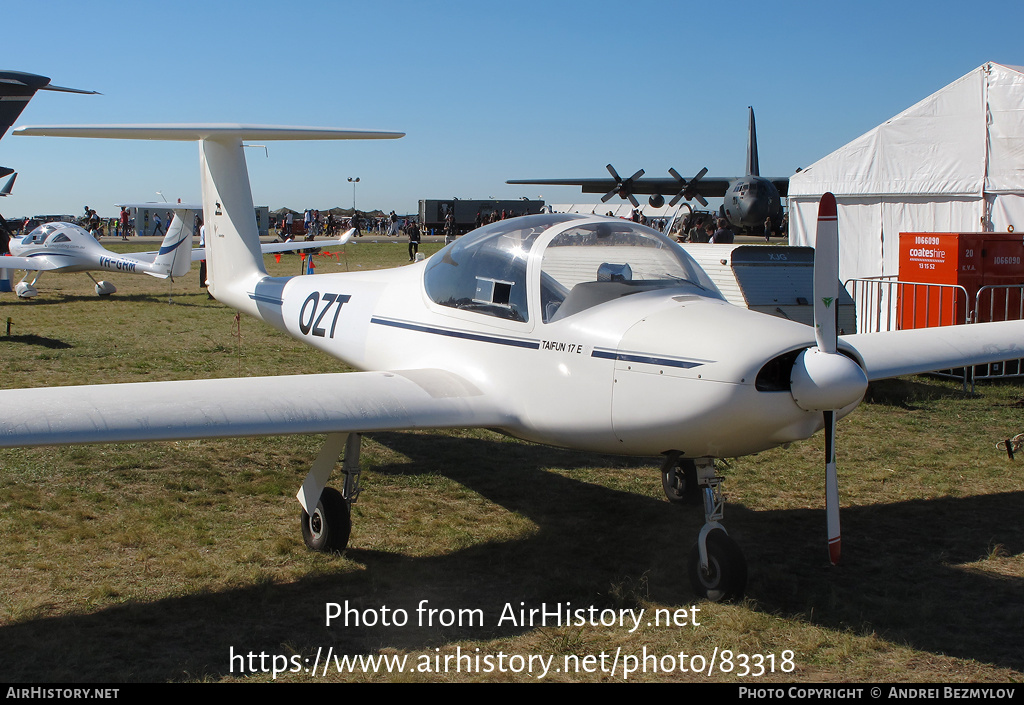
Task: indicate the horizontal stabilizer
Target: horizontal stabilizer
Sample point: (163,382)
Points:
(194,132)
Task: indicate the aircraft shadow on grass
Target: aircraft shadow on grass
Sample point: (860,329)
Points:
(177,296)
(32,339)
(592,546)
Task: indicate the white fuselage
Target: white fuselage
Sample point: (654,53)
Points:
(641,375)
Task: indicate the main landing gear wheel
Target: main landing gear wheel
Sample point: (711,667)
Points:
(726,576)
(679,480)
(328,528)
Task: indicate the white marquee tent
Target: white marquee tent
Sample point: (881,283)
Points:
(952,163)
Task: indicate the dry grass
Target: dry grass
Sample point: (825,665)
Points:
(149,562)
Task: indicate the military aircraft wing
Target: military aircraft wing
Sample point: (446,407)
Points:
(907,352)
(710,187)
(249,406)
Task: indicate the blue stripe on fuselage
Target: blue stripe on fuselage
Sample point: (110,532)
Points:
(451,333)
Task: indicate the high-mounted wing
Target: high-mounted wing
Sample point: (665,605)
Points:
(249,406)
(907,352)
(709,187)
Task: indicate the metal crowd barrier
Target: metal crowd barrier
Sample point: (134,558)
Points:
(878,309)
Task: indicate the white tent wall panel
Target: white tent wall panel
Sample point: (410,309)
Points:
(869,227)
(954,162)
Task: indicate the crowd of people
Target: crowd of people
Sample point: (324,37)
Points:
(315,223)
(704,227)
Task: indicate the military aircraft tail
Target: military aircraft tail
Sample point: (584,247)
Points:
(752,166)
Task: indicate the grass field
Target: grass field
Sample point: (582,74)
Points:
(152,562)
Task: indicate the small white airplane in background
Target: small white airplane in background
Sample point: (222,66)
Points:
(65,247)
(581,332)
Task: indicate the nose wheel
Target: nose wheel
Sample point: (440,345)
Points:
(725,577)
(716,566)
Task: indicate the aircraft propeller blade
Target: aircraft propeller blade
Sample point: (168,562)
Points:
(823,379)
(826,275)
(623,187)
(826,296)
(831,489)
(688,190)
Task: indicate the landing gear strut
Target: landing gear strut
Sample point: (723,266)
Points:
(718,571)
(327,527)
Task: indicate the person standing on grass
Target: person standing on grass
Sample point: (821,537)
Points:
(413,229)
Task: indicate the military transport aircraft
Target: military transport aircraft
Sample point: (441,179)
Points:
(66,247)
(574,331)
(748,200)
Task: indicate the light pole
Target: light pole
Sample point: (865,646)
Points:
(353,181)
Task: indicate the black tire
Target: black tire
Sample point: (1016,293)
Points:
(328,529)
(679,480)
(726,578)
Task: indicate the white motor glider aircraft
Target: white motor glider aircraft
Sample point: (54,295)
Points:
(575,331)
(66,247)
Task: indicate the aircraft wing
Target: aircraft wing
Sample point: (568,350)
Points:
(709,186)
(908,352)
(199,253)
(270,247)
(40,263)
(247,406)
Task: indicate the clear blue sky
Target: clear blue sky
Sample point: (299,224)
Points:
(485,91)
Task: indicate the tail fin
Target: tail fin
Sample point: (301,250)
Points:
(234,260)
(6,190)
(175,256)
(752,167)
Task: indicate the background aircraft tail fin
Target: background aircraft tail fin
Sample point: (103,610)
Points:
(752,167)
(175,256)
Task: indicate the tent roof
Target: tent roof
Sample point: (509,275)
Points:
(964,139)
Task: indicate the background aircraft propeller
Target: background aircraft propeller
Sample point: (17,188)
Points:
(823,379)
(623,187)
(688,190)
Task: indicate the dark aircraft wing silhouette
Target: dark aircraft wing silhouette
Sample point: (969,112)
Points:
(710,187)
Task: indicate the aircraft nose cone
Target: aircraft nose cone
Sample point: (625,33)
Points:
(821,381)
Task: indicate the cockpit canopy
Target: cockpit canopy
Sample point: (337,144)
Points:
(582,261)
(52,233)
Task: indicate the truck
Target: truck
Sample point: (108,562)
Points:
(433,212)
